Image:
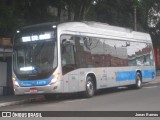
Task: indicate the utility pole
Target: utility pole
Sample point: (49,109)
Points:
(135,17)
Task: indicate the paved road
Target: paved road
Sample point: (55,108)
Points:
(123,99)
(147,98)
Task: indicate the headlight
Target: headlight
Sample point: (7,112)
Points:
(55,78)
(15,83)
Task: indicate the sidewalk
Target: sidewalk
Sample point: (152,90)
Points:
(158,73)
(13,100)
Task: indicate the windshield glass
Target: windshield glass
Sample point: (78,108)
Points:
(35,58)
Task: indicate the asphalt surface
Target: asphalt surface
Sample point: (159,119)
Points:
(122,99)
(146,98)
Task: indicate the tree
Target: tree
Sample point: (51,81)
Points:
(9,18)
(17,13)
(115,12)
(154,23)
(77,8)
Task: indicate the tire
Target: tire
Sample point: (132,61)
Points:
(90,87)
(138,84)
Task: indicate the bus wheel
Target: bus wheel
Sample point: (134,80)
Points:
(90,87)
(138,84)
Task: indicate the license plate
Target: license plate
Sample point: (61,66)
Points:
(33,90)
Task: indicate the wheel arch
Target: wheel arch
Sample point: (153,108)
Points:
(94,79)
(139,71)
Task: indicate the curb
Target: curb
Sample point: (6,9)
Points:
(37,98)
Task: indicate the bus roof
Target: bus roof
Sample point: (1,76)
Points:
(104,29)
(90,27)
(39,27)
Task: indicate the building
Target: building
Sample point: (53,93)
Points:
(6,87)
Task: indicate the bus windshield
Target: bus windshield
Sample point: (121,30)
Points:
(35,59)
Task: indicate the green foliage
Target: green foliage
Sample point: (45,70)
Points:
(18,13)
(9,21)
(115,12)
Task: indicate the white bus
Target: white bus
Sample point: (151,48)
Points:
(54,58)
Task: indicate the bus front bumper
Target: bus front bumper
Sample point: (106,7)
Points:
(38,89)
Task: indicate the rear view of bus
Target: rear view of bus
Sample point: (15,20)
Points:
(35,60)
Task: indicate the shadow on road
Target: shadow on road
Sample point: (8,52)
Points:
(75,96)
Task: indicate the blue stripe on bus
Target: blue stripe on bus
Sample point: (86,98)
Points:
(126,75)
(148,73)
(131,75)
(121,76)
(38,82)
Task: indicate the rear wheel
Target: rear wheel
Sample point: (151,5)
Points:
(138,84)
(90,87)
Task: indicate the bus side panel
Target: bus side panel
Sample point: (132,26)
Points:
(148,74)
(75,80)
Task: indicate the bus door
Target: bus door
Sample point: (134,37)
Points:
(70,76)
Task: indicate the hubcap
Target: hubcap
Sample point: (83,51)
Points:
(138,81)
(90,88)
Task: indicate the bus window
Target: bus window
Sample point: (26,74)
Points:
(131,52)
(110,53)
(97,52)
(121,53)
(143,54)
(81,52)
(68,54)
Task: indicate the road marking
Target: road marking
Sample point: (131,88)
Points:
(151,87)
(75,100)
